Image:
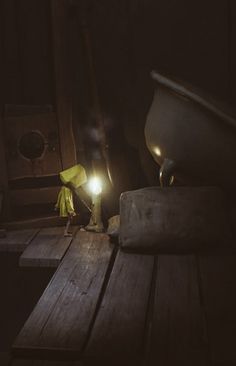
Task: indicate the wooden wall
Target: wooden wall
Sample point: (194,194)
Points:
(27,52)
(192,40)
(35,76)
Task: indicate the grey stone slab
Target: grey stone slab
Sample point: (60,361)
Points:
(174,218)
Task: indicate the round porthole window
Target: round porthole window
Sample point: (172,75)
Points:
(31,145)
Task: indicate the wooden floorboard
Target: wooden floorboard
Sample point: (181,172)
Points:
(177,335)
(218,276)
(61,320)
(39,222)
(17,240)
(117,337)
(47,249)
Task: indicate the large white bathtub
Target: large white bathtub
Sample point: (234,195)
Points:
(189,137)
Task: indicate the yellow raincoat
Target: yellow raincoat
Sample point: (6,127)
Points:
(76,176)
(65,202)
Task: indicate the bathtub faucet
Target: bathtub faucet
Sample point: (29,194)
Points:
(166,174)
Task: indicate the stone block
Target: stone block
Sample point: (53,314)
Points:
(174,219)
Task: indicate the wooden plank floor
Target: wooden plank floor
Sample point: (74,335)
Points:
(178,328)
(117,336)
(47,249)
(108,307)
(17,240)
(61,320)
(218,276)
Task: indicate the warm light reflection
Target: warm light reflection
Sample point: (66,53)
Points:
(95,185)
(157,151)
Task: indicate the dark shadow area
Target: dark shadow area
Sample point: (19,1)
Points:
(21,288)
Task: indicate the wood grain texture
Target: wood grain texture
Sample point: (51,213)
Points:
(118,333)
(62,317)
(24,197)
(47,249)
(17,240)
(218,274)
(178,330)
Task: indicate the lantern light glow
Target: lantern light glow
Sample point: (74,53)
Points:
(95,186)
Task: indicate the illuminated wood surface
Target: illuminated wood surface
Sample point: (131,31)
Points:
(105,306)
(62,318)
(47,249)
(17,240)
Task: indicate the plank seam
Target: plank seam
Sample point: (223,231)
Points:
(34,236)
(100,297)
(73,238)
(204,312)
(55,304)
(150,312)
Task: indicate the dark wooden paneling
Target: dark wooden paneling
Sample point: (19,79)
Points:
(62,317)
(35,56)
(47,249)
(59,14)
(23,197)
(218,276)
(178,329)
(12,82)
(118,334)
(27,52)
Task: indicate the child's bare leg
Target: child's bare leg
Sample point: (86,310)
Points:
(66,232)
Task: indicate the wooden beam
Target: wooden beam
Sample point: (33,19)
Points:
(62,81)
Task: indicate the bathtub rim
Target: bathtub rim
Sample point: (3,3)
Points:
(185,92)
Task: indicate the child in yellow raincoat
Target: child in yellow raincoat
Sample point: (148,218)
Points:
(73,179)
